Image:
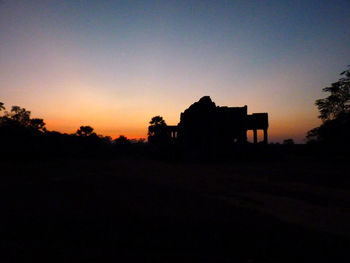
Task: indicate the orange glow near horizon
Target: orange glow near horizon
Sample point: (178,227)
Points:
(135,127)
(69,104)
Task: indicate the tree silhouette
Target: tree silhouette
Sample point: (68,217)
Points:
(121,140)
(157,131)
(85,131)
(335,113)
(38,124)
(338,102)
(18,115)
(2,107)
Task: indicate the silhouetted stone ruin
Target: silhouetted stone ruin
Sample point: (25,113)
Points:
(204,123)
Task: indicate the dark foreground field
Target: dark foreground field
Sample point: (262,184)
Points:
(142,210)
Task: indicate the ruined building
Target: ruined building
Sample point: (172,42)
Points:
(204,123)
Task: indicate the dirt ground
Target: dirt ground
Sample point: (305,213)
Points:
(175,211)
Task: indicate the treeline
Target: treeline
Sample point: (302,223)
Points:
(27,137)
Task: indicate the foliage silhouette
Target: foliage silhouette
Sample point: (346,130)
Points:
(157,131)
(335,114)
(122,140)
(85,131)
(2,107)
(18,115)
(21,133)
(334,132)
(338,102)
(37,124)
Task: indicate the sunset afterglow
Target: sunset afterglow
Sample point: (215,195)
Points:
(114,65)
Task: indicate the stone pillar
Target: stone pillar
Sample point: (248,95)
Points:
(243,138)
(265,136)
(255,136)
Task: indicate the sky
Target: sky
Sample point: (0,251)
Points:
(114,65)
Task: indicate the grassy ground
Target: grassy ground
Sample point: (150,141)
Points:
(87,209)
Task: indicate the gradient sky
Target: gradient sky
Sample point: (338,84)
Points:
(114,65)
